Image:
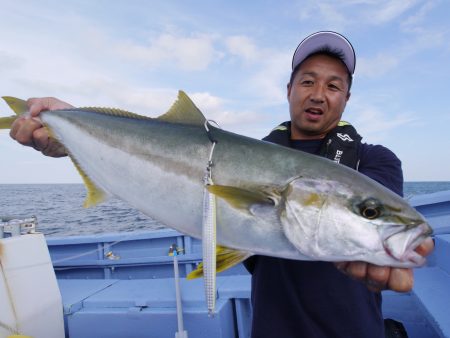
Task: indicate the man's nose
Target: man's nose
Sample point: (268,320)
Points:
(318,94)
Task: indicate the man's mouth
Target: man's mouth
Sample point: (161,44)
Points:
(313,114)
(314,111)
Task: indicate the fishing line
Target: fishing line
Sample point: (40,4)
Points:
(208,132)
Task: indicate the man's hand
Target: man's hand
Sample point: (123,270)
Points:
(29,131)
(379,278)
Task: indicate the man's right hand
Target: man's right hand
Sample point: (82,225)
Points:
(29,131)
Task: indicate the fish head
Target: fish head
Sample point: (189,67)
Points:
(334,221)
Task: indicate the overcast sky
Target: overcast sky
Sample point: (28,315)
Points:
(233,59)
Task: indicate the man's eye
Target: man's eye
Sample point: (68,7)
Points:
(334,87)
(307,82)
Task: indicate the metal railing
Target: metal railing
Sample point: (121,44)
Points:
(16,226)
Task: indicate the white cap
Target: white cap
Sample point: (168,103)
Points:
(333,41)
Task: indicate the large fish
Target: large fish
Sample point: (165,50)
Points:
(270,200)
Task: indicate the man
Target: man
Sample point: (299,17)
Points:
(294,298)
(314,299)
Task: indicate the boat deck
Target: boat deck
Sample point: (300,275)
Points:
(147,308)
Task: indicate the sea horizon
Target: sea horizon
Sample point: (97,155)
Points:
(60,212)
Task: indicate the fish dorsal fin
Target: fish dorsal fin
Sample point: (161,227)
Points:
(95,195)
(18,106)
(225,259)
(112,112)
(183,111)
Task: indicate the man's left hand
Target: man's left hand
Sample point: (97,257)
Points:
(379,278)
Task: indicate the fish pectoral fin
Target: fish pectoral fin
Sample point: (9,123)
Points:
(17,105)
(95,195)
(183,111)
(241,198)
(225,259)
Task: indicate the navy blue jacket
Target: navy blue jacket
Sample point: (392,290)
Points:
(303,299)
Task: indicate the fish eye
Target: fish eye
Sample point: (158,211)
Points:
(370,208)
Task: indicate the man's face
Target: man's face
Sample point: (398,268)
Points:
(317,97)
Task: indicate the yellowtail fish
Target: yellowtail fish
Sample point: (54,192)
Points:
(270,200)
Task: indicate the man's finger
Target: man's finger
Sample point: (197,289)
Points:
(38,105)
(22,132)
(400,280)
(40,139)
(377,277)
(378,274)
(15,127)
(357,270)
(426,247)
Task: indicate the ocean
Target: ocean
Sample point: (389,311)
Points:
(58,208)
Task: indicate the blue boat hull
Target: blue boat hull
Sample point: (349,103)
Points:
(122,285)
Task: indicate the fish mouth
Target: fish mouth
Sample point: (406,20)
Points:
(400,242)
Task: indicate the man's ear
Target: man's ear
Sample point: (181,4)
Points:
(289,90)
(348,96)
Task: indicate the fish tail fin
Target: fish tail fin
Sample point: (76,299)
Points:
(6,122)
(226,258)
(18,106)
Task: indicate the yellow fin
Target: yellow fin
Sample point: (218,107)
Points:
(6,122)
(239,198)
(17,105)
(112,112)
(95,194)
(183,111)
(225,259)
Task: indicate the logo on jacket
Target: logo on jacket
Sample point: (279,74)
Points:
(338,155)
(344,137)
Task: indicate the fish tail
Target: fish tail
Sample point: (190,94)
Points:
(6,122)
(18,106)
